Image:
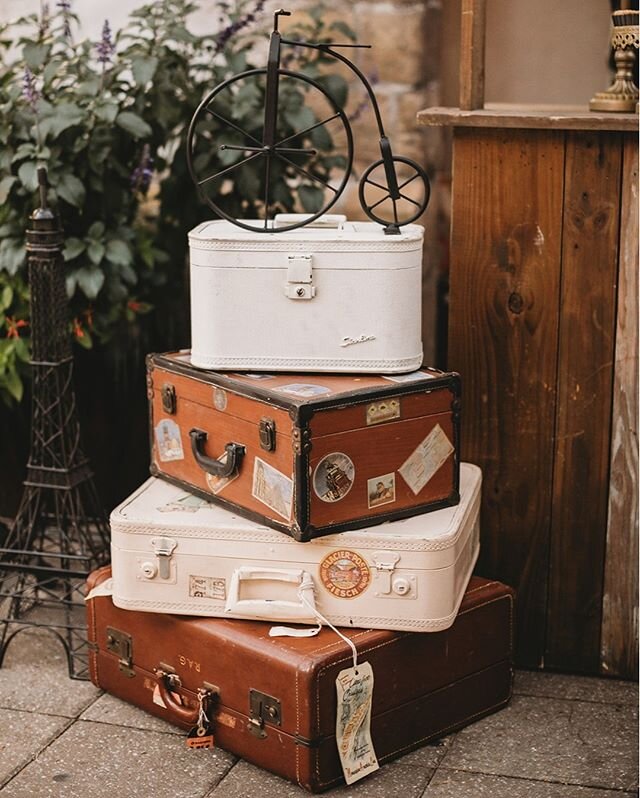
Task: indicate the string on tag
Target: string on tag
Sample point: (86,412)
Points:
(203,720)
(321,618)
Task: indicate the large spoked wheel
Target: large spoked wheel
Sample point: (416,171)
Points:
(398,205)
(304,171)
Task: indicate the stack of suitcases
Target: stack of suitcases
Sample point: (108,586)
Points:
(305,471)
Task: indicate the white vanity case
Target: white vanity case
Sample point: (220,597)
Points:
(330,296)
(175,553)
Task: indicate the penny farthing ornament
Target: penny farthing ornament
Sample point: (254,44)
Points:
(290,160)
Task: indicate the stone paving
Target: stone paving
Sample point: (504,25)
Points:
(561,737)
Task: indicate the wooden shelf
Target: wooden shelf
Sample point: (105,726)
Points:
(546,117)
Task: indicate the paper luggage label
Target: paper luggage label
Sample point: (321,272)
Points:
(188,503)
(381,490)
(425,461)
(216,484)
(354,688)
(212,587)
(345,574)
(272,488)
(168,440)
(333,477)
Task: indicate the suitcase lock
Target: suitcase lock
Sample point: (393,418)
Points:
(267,432)
(121,644)
(163,548)
(299,283)
(263,708)
(169,400)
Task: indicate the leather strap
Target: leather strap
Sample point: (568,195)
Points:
(182,713)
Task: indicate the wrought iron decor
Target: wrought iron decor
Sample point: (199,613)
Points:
(60,533)
(393,191)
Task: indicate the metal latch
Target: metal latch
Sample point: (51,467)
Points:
(168,394)
(263,709)
(163,548)
(300,277)
(385,562)
(121,644)
(268,434)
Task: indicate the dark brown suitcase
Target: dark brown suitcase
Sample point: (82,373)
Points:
(307,454)
(276,697)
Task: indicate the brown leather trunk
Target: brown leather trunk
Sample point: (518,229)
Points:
(311,454)
(275,704)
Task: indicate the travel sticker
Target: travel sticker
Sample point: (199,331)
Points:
(333,477)
(272,488)
(168,440)
(412,377)
(219,399)
(212,587)
(185,504)
(423,463)
(257,376)
(303,389)
(381,490)
(345,574)
(216,484)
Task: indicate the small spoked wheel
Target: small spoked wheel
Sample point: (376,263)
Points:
(398,204)
(244,166)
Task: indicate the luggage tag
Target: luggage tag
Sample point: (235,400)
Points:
(201,735)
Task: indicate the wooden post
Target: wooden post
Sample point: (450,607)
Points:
(472,39)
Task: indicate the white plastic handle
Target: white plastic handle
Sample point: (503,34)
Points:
(329,221)
(272,609)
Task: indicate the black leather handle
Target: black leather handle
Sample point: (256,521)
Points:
(235,453)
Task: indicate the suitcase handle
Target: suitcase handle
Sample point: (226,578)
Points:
(272,609)
(217,468)
(182,713)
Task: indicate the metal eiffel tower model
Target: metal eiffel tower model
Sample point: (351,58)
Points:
(60,533)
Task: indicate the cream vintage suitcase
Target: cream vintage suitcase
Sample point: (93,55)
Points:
(333,296)
(173,552)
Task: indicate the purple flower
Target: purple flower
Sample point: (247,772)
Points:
(105,47)
(142,174)
(65,8)
(237,25)
(29,89)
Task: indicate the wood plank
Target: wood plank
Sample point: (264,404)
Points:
(472,42)
(619,639)
(505,277)
(545,117)
(585,373)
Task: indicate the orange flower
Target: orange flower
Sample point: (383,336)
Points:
(77,328)
(134,306)
(14,325)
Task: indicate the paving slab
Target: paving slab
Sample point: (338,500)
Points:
(102,761)
(34,677)
(22,736)
(394,780)
(572,742)
(108,709)
(448,783)
(430,755)
(580,688)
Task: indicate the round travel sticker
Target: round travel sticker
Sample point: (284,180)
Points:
(333,477)
(219,399)
(345,574)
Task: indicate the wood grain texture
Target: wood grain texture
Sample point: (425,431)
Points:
(619,639)
(585,373)
(505,277)
(472,42)
(546,117)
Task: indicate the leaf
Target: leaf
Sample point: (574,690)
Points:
(85,339)
(107,112)
(118,252)
(144,69)
(28,175)
(89,87)
(247,182)
(96,231)
(321,138)
(343,28)
(73,248)
(6,297)
(311,197)
(5,187)
(35,55)
(13,383)
(61,117)
(90,281)
(71,281)
(337,87)
(12,254)
(300,118)
(21,349)
(133,124)
(71,189)
(95,250)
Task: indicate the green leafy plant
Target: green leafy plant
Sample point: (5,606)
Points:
(104,118)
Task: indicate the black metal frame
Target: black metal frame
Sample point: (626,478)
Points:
(301,414)
(269,148)
(60,533)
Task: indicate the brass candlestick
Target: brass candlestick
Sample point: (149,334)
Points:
(622,95)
